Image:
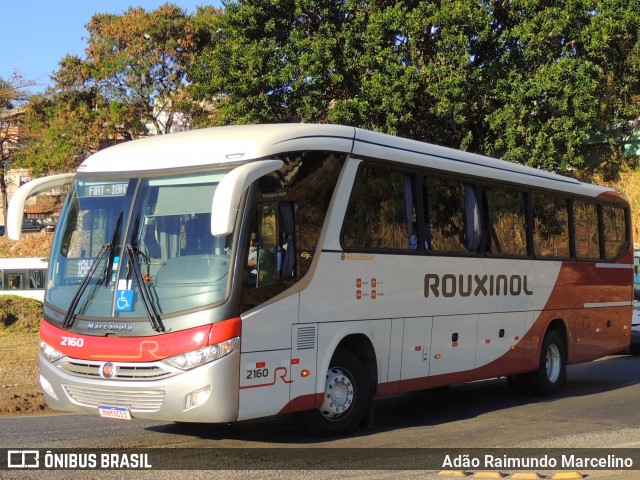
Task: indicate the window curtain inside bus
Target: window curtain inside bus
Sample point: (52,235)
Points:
(472,213)
(408,204)
(288,250)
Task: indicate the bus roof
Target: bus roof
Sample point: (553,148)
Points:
(23,263)
(234,145)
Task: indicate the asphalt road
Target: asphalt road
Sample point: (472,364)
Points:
(599,408)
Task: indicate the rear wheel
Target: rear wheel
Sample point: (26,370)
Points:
(347,396)
(552,372)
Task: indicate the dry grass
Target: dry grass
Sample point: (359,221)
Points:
(19,324)
(19,315)
(37,244)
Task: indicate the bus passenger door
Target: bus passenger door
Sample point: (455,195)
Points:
(268,311)
(416,353)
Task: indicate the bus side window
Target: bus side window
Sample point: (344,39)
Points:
(505,221)
(550,227)
(15,282)
(614,221)
(266,248)
(38,279)
(382,211)
(452,215)
(272,253)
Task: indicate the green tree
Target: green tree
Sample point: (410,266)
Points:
(568,75)
(136,60)
(131,84)
(68,126)
(14,92)
(527,80)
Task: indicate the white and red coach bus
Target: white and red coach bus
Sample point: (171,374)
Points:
(239,272)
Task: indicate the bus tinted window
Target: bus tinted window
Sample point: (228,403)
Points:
(615,232)
(453,222)
(37,279)
(585,218)
(381,211)
(506,222)
(551,226)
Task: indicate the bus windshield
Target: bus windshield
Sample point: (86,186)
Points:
(117,234)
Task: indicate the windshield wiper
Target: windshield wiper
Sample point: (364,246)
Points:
(112,251)
(69,316)
(154,316)
(107,247)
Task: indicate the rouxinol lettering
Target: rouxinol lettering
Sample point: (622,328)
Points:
(450,285)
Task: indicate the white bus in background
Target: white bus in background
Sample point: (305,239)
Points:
(25,277)
(232,273)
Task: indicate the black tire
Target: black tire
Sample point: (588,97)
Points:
(347,396)
(519,384)
(634,349)
(552,372)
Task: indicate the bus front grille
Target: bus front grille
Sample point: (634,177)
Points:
(122,371)
(137,401)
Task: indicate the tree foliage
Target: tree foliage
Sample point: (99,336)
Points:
(131,84)
(67,127)
(14,92)
(136,60)
(537,82)
(529,80)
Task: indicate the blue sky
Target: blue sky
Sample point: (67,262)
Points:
(36,34)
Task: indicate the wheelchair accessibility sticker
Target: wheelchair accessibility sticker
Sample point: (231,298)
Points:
(124,302)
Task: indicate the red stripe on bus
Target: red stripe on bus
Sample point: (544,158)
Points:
(137,349)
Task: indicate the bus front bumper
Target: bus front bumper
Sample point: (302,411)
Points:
(207,394)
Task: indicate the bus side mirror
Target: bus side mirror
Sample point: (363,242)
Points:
(226,198)
(15,212)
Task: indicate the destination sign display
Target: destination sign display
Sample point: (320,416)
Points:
(118,189)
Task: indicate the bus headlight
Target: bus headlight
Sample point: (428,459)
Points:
(49,352)
(195,358)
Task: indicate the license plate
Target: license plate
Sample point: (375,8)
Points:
(121,413)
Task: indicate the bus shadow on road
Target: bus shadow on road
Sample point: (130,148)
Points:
(430,408)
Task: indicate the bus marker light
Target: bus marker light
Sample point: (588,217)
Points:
(305,373)
(437,356)
(261,364)
(295,361)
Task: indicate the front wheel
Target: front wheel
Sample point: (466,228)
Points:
(552,372)
(347,395)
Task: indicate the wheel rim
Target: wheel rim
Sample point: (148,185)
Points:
(554,362)
(339,394)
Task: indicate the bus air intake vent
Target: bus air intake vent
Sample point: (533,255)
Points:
(306,338)
(136,400)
